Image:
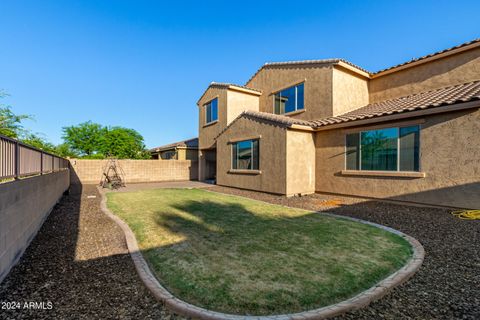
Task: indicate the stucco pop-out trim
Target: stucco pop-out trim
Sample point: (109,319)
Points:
(186,309)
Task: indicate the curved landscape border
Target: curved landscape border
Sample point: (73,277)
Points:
(186,309)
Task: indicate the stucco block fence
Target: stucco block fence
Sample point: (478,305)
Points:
(24,206)
(91,171)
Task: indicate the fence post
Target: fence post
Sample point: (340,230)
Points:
(41,162)
(53,164)
(17,161)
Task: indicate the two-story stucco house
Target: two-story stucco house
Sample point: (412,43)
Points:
(410,132)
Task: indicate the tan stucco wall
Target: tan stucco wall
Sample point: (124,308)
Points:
(318,87)
(237,102)
(272,157)
(91,171)
(24,206)
(450,153)
(181,154)
(456,69)
(300,162)
(349,91)
(207,133)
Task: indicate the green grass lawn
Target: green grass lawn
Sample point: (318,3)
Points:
(242,256)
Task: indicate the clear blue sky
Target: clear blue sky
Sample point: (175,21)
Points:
(144,64)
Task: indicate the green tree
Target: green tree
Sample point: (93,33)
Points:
(10,123)
(93,141)
(38,142)
(123,143)
(64,150)
(85,138)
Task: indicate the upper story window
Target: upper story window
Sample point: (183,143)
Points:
(391,149)
(211,111)
(289,100)
(245,155)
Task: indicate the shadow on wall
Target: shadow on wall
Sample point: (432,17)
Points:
(465,196)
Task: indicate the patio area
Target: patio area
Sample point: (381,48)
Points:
(79,262)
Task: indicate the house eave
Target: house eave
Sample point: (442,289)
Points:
(403,115)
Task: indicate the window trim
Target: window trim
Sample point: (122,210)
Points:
(296,111)
(233,144)
(359,171)
(209,102)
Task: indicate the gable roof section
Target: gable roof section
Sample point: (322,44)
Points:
(223,85)
(190,143)
(335,61)
(426,100)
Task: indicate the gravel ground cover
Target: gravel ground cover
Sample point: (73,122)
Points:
(447,286)
(79,262)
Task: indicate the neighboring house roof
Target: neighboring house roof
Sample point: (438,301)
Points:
(432,55)
(224,85)
(446,96)
(189,144)
(431,99)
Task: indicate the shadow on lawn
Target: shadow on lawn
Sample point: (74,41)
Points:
(210,218)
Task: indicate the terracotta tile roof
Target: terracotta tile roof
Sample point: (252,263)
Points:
(306,62)
(190,143)
(274,119)
(224,85)
(429,55)
(431,99)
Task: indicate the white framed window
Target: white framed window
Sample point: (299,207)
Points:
(246,155)
(389,149)
(289,99)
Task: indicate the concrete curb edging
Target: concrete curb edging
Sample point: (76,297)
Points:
(183,308)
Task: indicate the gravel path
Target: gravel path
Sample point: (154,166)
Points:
(79,262)
(447,286)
